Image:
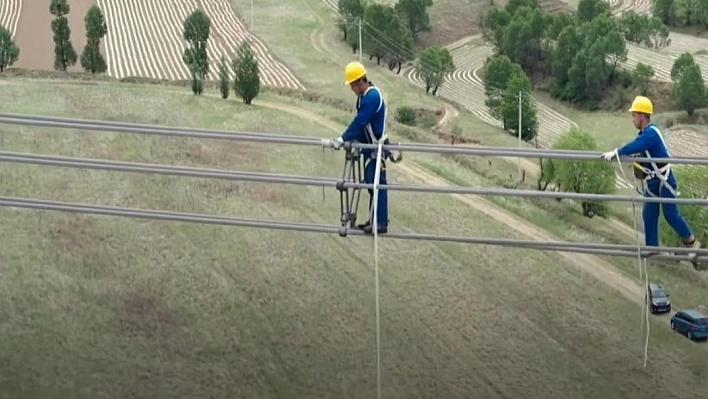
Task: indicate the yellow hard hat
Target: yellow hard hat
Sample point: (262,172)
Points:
(642,104)
(353,72)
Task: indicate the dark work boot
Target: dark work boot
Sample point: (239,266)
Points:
(368,229)
(363,226)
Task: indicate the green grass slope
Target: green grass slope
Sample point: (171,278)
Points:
(121,308)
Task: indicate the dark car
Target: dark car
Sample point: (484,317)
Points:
(658,298)
(690,322)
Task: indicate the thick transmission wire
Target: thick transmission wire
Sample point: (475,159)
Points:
(588,248)
(116,127)
(122,166)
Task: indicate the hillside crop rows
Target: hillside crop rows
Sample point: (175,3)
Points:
(145,39)
(466,87)
(10,14)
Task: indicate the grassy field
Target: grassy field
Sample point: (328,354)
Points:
(111,307)
(312,46)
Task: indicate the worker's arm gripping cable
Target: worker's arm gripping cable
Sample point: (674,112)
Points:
(641,263)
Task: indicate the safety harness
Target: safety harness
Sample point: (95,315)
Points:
(656,172)
(384,136)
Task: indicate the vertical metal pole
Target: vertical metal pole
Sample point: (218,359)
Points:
(519,130)
(360,47)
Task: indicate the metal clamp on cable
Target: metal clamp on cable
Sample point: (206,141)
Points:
(396,159)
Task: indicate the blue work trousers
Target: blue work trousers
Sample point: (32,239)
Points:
(369,175)
(651,211)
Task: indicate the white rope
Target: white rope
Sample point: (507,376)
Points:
(375,225)
(644,317)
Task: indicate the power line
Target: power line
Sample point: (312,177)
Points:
(116,127)
(121,166)
(597,249)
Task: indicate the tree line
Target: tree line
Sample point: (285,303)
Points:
(579,53)
(196,29)
(388,34)
(65,55)
(247,81)
(681,13)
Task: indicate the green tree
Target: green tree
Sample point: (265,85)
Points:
(196,32)
(662,10)
(509,108)
(495,22)
(401,48)
(497,73)
(196,80)
(352,35)
(405,115)
(415,13)
(591,9)
(349,13)
(64,53)
(682,63)
(9,52)
(690,92)
(91,58)
(383,35)
(247,83)
(224,88)
(588,177)
(435,62)
(641,75)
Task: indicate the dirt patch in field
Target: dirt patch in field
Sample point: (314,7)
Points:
(452,20)
(34,34)
(79,235)
(141,313)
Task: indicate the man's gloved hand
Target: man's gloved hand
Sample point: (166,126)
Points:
(335,143)
(609,156)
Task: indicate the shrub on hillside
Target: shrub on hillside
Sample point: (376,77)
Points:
(588,177)
(405,115)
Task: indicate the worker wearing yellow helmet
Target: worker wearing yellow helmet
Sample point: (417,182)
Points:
(660,181)
(368,127)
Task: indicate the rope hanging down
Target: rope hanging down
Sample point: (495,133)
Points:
(375,225)
(644,317)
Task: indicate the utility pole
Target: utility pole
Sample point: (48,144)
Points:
(360,48)
(519,130)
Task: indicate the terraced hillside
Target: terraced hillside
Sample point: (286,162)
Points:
(10,14)
(144,37)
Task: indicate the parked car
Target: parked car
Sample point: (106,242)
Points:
(690,322)
(657,298)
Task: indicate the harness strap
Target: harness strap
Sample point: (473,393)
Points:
(384,135)
(657,173)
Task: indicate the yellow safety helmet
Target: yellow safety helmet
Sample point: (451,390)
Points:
(353,72)
(642,104)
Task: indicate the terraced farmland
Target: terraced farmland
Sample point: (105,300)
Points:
(466,87)
(686,142)
(10,14)
(145,39)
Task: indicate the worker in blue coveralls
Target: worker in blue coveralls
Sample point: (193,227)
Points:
(660,181)
(368,127)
